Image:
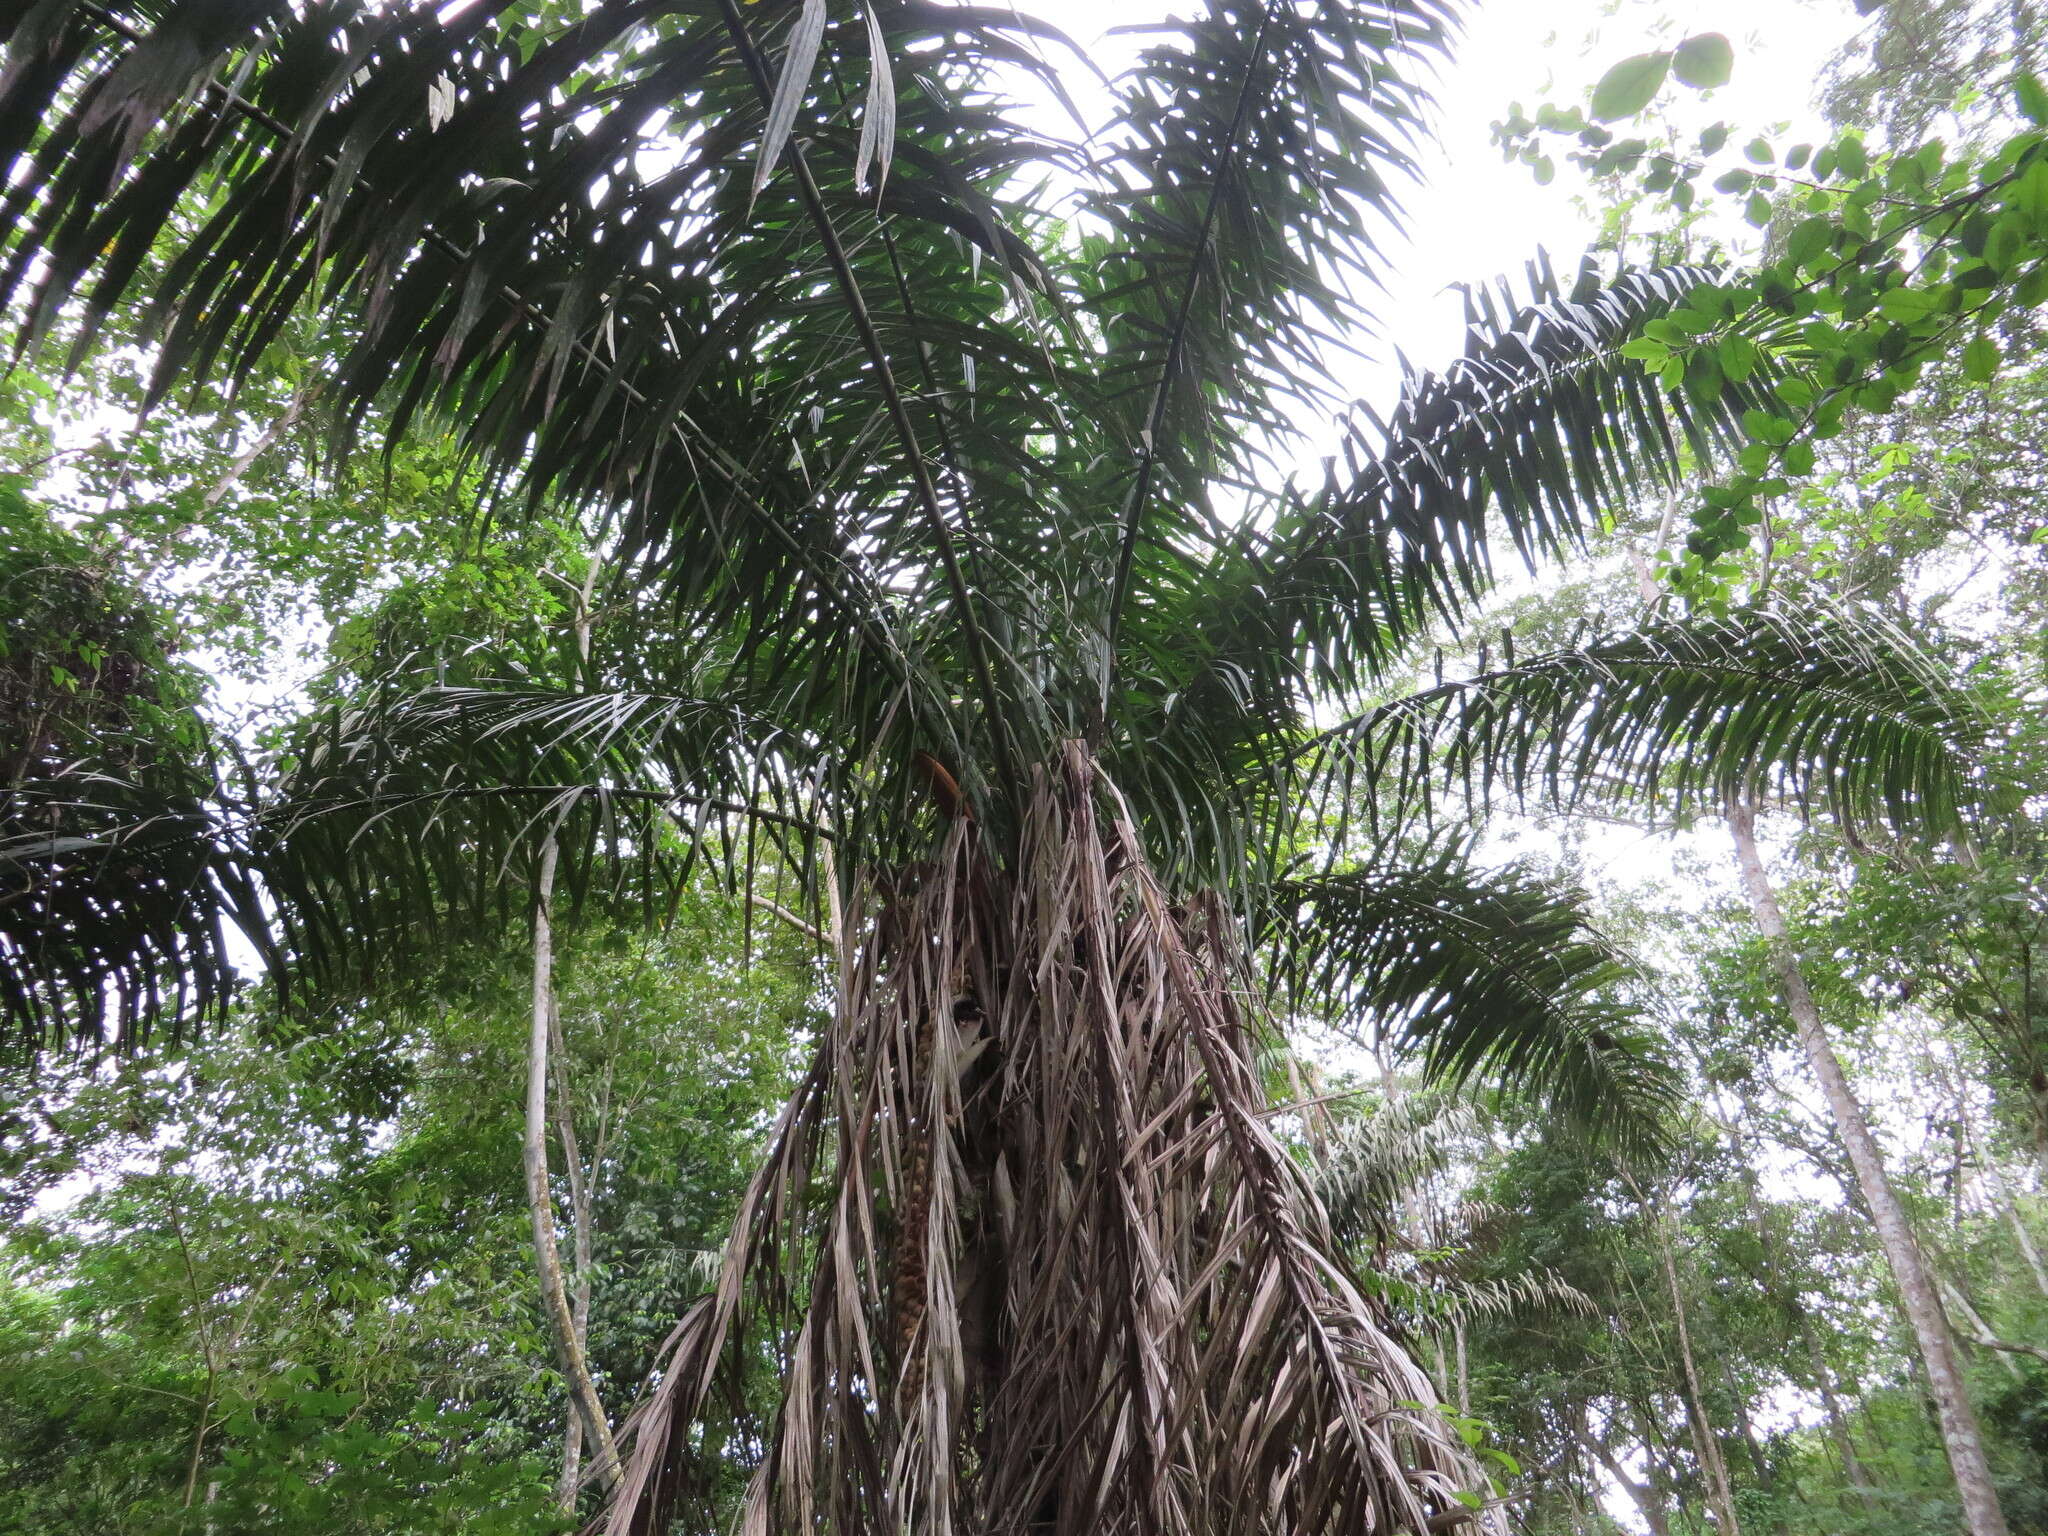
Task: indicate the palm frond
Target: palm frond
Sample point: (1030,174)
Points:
(120,901)
(1495,975)
(1249,171)
(412,814)
(1250,168)
(1445,1300)
(121,881)
(575,222)
(1541,425)
(1375,1162)
(1836,713)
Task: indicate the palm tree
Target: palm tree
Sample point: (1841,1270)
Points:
(935,464)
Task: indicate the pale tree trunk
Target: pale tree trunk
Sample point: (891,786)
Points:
(1980,1329)
(1838,1423)
(1823,1378)
(540,1198)
(1705,1442)
(579,1225)
(2038,1100)
(1958,1420)
(1642,1495)
(1766,1479)
(2003,1193)
(2025,1240)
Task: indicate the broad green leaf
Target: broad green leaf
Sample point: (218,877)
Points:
(1907,305)
(2032,99)
(1703,61)
(1630,86)
(1980,360)
(1738,356)
(1809,238)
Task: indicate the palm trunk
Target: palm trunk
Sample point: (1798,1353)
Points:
(1936,1349)
(1024,1246)
(540,1197)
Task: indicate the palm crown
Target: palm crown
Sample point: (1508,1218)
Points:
(938,457)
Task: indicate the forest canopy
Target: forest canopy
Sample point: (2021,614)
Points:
(764,765)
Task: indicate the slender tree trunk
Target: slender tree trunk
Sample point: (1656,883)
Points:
(2003,1194)
(1705,1442)
(579,1225)
(1785,1289)
(1643,1495)
(1766,1479)
(1980,1329)
(540,1198)
(1838,1423)
(1958,1420)
(201,1424)
(2037,1098)
(279,425)
(2025,1239)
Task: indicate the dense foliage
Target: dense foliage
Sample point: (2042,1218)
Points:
(1086,992)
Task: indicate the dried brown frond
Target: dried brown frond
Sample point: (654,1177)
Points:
(1025,1256)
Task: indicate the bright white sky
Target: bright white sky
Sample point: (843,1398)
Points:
(1473,216)
(1476,216)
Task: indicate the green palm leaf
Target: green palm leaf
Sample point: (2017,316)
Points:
(1830,713)
(1541,425)
(1497,976)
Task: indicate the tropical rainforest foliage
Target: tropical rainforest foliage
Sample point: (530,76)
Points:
(698,827)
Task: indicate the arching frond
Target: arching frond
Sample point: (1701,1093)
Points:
(1373,1178)
(121,881)
(1541,425)
(411,815)
(1240,192)
(1496,976)
(549,230)
(1374,1162)
(121,922)
(1835,713)
(1447,1299)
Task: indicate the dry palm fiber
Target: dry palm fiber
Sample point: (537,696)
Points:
(1024,1255)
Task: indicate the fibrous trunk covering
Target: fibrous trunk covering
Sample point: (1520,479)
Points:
(1024,1256)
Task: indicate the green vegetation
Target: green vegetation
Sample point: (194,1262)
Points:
(697,572)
